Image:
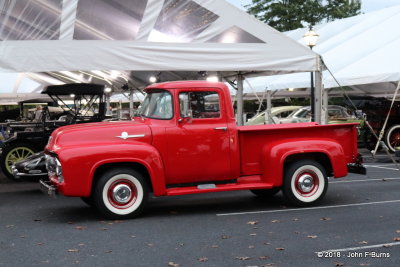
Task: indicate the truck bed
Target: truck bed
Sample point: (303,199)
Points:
(255,139)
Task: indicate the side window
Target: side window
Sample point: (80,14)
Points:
(199,105)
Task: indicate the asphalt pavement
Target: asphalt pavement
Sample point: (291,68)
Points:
(357,224)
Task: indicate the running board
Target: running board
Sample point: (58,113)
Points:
(243,183)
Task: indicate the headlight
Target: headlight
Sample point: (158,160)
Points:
(53,166)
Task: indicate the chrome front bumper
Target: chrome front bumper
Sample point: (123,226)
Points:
(47,188)
(18,175)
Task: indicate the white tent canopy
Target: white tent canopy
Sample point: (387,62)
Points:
(362,52)
(138,35)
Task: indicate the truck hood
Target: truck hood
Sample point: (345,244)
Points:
(99,133)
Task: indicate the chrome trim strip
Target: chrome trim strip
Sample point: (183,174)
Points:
(125,135)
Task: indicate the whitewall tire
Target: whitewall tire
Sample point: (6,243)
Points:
(305,183)
(120,193)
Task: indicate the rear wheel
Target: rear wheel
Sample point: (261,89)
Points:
(305,183)
(120,193)
(13,153)
(392,138)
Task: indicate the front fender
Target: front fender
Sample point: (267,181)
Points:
(275,155)
(80,164)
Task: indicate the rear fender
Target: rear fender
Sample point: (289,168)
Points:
(275,155)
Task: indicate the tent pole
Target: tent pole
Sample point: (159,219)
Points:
(131,103)
(239,110)
(108,100)
(324,119)
(318,96)
(268,118)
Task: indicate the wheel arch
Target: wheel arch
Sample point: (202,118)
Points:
(319,157)
(101,169)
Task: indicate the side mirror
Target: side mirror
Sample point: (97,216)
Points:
(187,117)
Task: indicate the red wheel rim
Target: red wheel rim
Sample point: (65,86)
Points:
(306,183)
(394,138)
(122,194)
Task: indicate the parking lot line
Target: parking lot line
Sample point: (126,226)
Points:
(380,167)
(364,180)
(312,208)
(360,248)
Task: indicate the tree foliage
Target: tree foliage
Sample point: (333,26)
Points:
(285,15)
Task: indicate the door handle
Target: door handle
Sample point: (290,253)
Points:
(221,128)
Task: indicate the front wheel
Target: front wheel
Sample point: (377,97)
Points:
(120,193)
(305,183)
(13,153)
(392,138)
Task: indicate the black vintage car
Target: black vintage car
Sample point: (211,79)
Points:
(25,138)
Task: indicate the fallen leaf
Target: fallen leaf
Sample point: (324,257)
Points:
(81,244)
(70,222)
(339,264)
(268,264)
(40,244)
(214,246)
(225,237)
(109,251)
(73,250)
(312,236)
(295,219)
(398,231)
(364,264)
(386,246)
(204,259)
(280,248)
(10,226)
(80,227)
(118,221)
(275,221)
(251,246)
(363,242)
(253,234)
(252,222)
(173,264)
(150,245)
(110,223)
(267,243)
(133,236)
(325,219)
(243,258)
(264,258)
(396,239)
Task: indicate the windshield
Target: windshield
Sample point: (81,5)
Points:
(156,105)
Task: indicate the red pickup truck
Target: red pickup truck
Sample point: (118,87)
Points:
(184,140)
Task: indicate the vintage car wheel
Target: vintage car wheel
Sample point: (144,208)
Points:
(13,153)
(305,183)
(266,193)
(392,138)
(120,193)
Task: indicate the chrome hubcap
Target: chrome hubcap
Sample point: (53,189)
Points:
(305,183)
(122,193)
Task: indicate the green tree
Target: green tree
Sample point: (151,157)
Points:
(285,15)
